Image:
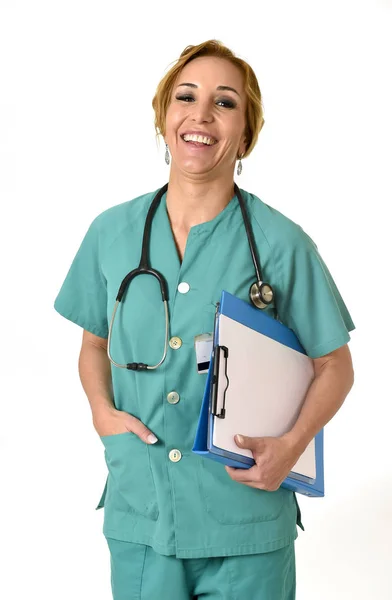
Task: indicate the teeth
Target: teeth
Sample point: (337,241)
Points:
(198,138)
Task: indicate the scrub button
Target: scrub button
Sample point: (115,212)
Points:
(175,455)
(175,342)
(173,397)
(183,287)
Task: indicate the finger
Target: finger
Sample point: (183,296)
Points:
(139,428)
(251,483)
(242,474)
(259,486)
(250,443)
(243,441)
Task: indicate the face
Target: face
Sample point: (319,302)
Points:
(202,104)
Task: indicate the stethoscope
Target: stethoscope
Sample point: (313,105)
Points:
(261,293)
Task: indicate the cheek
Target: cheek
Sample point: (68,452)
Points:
(238,128)
(237,123)
(174,117)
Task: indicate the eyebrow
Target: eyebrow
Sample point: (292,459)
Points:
(220,87)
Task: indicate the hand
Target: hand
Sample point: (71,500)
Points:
(274,457)
(110,421)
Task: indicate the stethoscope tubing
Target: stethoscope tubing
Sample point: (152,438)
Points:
(145,268)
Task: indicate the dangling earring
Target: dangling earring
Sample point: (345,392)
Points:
(239,167)
(167,155)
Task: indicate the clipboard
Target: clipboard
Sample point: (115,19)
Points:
(257,380)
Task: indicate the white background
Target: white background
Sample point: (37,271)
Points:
(77,136)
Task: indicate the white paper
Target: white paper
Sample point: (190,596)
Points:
(268,382)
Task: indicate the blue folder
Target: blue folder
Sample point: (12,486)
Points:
(258,321)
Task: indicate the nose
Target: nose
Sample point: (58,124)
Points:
(202,112)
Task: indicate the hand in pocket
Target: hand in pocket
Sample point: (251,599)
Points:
(110,421)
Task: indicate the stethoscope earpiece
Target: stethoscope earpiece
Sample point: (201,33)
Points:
(261,294)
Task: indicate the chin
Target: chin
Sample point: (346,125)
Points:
(195,168)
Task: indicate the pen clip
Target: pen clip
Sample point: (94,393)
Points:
(215,378)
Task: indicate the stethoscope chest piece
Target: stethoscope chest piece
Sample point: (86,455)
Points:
(261,294)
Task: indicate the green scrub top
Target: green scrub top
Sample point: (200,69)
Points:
(178,502)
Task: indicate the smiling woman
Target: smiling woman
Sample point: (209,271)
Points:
(179,526)
(206,109)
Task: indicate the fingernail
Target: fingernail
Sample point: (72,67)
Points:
(239,439)
(152,438)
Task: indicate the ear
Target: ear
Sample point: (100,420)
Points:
(243,146)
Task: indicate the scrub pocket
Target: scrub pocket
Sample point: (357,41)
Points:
(101,502)
(130,476)
(233,503)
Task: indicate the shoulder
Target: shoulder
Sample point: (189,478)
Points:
(129,215)
(124,214)
(276,228)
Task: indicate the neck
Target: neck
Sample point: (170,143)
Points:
(191,202)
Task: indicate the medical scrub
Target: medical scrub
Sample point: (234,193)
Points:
(163,496)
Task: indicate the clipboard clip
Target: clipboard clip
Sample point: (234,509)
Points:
(221,412)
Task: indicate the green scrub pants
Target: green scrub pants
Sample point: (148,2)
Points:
(140,573)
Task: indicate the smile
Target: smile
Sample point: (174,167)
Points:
(199,139)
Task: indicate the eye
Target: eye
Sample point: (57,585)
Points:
(185,98)
(226,102)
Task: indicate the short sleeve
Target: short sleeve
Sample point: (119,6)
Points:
(83,297)
(309,301)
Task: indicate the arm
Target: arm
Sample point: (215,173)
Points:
(95,375)
(334,378)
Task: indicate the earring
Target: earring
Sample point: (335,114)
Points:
(167,155)
(239,167)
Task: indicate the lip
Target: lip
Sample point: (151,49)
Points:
(202,133)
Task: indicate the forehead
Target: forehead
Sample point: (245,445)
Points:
(211,70)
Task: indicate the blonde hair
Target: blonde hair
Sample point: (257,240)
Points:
(254,108)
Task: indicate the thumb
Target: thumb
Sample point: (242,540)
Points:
(138,428)
(244,441)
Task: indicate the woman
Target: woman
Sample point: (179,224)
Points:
(179,526)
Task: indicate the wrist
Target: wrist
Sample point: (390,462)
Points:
(101,407)
(296,442)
